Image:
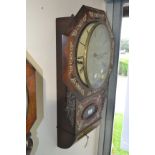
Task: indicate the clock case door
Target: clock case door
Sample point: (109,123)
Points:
(74,98)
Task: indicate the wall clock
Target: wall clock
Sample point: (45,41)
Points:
(85,49)
(30,104)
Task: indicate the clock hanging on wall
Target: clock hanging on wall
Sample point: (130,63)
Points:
(85,49)
(30,104)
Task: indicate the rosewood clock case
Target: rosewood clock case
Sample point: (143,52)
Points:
(79,107)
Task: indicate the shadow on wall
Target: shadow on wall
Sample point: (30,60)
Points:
(40,107)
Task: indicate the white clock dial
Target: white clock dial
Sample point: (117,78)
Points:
(98,56)
(94,55)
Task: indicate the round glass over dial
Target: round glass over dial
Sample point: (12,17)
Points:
(93,55)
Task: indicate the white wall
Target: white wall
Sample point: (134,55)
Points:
(41,46)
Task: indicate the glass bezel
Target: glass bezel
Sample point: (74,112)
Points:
(85,54)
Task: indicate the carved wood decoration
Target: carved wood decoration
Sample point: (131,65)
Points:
(76,98)
(31,103)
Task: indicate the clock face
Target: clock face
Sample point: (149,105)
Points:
(93,55)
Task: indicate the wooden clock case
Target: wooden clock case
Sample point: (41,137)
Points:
(74,97)
(31,111)
(31,92)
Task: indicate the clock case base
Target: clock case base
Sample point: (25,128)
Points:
(66,126)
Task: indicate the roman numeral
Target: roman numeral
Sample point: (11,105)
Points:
(82,44)
(80,60)
(81,69)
